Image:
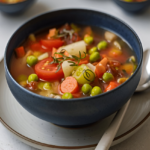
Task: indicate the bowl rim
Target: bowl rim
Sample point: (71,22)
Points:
(74,99)
(8,4)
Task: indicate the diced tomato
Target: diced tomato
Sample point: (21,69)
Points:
(52,43)
(47,71)
(38,47)
(20,52)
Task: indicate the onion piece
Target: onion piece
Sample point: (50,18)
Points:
(92,67)
(109,36)
(74,48)
(43,56)
(67,69)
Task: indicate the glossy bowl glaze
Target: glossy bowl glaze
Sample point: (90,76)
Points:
(16,7)
(133,6)
(81,111)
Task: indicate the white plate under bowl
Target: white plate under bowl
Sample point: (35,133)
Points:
(47,136)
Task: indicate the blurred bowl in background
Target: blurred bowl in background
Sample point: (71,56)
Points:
(133,6)
(15,8)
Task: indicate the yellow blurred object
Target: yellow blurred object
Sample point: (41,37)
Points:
(32,37)
(115,52)
(23,83)
(122,80)
(37,53)
(129,68)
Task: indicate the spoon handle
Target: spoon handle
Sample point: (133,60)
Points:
(107,138)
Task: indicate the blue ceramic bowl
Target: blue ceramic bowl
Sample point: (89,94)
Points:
(16,7)
(81,111)
(133,6)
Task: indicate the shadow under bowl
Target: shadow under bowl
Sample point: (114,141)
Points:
(133,7)
(81,111)
(15,8)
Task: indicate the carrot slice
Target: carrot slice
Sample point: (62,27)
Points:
(88,30)
(52,32)
(20,52)
(111,86)
(101,67)
(54,50)
(70,85)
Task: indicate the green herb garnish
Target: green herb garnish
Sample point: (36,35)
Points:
(60,60)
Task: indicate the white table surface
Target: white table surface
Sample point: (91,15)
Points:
(140,23)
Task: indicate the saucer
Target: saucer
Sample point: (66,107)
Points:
(47,136)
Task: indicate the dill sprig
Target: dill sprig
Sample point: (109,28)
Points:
(60,60)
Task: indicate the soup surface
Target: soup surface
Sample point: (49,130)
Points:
(11,1)
(72,61)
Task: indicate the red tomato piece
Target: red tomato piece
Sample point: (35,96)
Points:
(52,43)
(47,71)
(38,47)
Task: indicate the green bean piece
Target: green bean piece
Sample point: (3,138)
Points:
(96,91)
(88,39)
(67,96)
(107,77)
(32,77)
(102,45)
(94,49)
(40,85)
(86,88)
(31,60)
(95,56)
(47,86)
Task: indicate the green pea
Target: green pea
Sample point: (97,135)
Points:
(95,56)
(40,85)
(22,78)
(94,49)
(86,88)
(107,77)
(96,90)
(32,77)
(88,39)
(47,86)
(102,45)
(31,60)
(67,96)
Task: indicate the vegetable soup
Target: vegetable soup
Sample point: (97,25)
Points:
(72,61)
